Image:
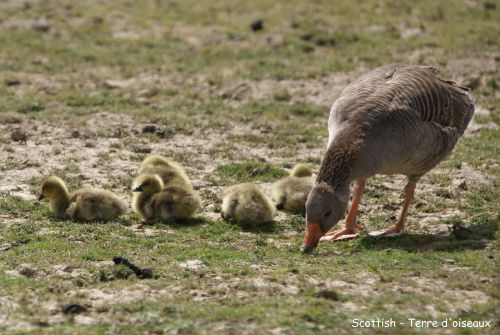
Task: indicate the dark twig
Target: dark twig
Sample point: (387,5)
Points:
(140,272)
(74,309)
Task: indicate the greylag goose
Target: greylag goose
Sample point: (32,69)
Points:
(87,204)
(396,119)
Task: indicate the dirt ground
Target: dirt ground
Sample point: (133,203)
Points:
(87,91)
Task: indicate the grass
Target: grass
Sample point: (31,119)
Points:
(233,105)
(248,172)
(230,256)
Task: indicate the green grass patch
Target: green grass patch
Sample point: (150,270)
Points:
(248,172)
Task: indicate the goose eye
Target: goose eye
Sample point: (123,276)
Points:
(327,214)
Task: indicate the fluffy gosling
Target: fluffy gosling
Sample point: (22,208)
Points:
(156,202)
(88,204)
(301,170)
(170,172)
(290,193)
(246,204)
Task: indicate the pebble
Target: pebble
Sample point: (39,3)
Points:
(74,309)
(18,136)
(257,25)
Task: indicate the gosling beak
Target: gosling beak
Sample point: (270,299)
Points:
(137,189)
(41,197)
(313,234)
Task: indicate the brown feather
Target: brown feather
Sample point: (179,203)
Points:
(394,119)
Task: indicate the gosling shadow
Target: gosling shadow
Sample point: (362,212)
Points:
(267,228)
(183,223)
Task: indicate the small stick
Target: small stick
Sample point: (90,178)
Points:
(140,272)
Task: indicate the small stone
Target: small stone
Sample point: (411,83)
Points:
(489,5)
(385,279)
(257,25)
(13,119)
(463,185)
(111,83)
(142,150)
(449,261)
(165,132)
(387,207)
(119,133)
(149,93)
(307,37)
(149,129)
(18,136)
(194,264)
(42,323)
(97,20)
(459,231)
(5,246)
(307,48)
(321,42)
(400,289)
(420,205)
(484,280)
(327,294)
(28,271)
(41,25)
(12,82)
(74,309)
(41,61)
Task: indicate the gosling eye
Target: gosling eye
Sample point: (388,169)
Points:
(327,214)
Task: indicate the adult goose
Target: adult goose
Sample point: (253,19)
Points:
(396,119)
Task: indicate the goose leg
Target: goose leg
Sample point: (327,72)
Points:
(397,229)
(351,227)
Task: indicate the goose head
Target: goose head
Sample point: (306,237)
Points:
(324,208)
(148,184)
(52,188)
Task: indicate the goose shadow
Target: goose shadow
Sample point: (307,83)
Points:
(474,237)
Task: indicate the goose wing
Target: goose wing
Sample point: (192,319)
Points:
(414,89)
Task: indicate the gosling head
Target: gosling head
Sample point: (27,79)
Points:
(155,160)
(301,170)
(52,187)
(324,208)
(147,184)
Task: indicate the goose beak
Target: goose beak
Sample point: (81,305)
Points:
(41,197)
(313,234)
(137,189)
